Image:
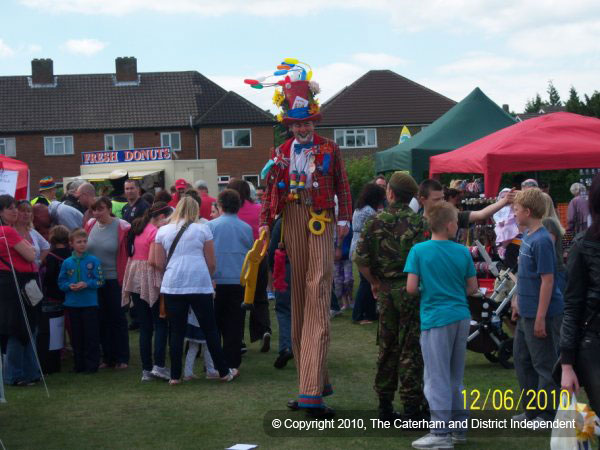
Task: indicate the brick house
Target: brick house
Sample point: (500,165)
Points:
(47,120)
(368,115)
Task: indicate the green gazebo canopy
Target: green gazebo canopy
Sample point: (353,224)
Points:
(474,117)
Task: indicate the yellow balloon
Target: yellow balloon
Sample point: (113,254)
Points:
(309,75)
(291,61)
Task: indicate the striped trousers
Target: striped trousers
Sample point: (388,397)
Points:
(311,258)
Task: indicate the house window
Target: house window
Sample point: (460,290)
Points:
(252,179)
(8,147)
(356,137)
(172,140)
(58,145)
(223,180)
(118,141)
(237,138)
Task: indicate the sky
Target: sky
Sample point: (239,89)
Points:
(508,48)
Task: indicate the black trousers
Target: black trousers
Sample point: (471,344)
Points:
(85,338)
(114,334)
(228,311)
(177,313)
(260,321)
(588,367)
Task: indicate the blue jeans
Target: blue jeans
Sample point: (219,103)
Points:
(283,309)
(20,364)
(365,306)
(151,324)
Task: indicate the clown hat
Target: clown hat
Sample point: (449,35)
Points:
(47,183)
(297,95)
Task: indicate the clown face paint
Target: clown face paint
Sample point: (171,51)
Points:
(303,131)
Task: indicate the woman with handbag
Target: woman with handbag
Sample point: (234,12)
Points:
(142,284)
(187,249)
(108,242)
(580,333)
(16,254)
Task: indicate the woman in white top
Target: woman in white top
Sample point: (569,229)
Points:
(24,227)
(187,283)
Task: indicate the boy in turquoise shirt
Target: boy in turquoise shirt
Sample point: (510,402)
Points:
(443,272)
(80,277)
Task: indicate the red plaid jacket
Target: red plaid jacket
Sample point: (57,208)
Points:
(333,182)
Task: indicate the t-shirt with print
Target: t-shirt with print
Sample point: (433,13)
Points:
(536,257)
(187,272)
(142,242)
(443,268)
(8,235)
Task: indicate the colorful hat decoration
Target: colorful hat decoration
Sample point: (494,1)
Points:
(297,95)
(47,183)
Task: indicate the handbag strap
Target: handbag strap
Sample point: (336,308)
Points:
(175,241)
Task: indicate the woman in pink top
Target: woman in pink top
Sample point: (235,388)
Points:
(141,283)
(250,211)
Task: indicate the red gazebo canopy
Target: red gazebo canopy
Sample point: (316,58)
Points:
(550,142)
(22,190)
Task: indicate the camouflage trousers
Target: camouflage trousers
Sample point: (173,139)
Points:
(400,356)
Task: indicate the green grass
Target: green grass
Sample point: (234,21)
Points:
(113,409)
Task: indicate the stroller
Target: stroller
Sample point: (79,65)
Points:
(488,315)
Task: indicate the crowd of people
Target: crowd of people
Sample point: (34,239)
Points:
(174,260)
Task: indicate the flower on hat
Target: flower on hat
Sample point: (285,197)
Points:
(278,97)
(314,87)
(313,108)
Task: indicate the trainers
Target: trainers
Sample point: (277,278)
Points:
(270,295)
(434,441)
(161,372)
(233,373)
(146,375)
(266,343)
(459,437)
(212,375)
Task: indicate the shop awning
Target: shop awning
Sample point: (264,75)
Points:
(134,174)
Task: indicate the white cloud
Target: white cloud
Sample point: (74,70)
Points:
(85,47)
(478,62)
(378,60)
(555,41)
(5,50)
(33,48)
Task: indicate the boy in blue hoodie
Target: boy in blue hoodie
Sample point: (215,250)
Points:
(80,277)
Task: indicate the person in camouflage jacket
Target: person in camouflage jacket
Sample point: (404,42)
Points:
(380,256)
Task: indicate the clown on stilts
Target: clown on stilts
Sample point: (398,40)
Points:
(303,176)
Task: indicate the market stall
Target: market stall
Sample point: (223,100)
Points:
(550,142)
(474,117)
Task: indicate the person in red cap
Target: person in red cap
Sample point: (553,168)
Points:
(180,187)
(303,176)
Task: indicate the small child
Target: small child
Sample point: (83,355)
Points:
(538,308)
(343,278)
(445,272)
(195,338)
(80,277)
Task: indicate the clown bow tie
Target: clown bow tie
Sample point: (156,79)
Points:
(299,147)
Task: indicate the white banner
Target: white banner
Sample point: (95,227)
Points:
(8,182)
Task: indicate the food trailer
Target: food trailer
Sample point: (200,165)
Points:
(154,167)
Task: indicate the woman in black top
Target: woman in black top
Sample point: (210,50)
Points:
(580,333)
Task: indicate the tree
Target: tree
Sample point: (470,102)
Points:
(534,105)
(574,104)
(553,97)
(360,171)
(592,105)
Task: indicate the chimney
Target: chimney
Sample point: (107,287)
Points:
(126,69)
(506,108)
(42,71)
